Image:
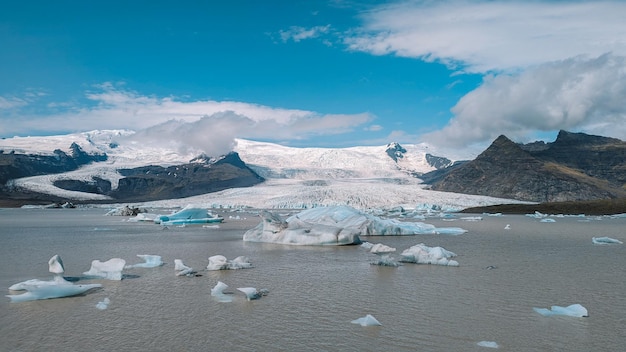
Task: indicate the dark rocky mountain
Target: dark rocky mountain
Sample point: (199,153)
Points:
(574,167)
(201,175)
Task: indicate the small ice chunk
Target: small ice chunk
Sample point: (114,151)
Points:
(55,265)
(605,240)
(250,292)
(380,248)
(218,292)
(104,304)
(367,320)
(182,269)
(150,261)
(507,227)
(489,344)
(574,310)
(422,254)
(547,220)
(219,262)
(111,269)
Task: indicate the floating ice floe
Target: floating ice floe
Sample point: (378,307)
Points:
(252,293)
(150,261)
(56,288)
(188,215)
(574,310)
(384,255)
(367,320)
(605,240)
(507,227)
(181,269)
(422,254)
(547,220)
(218,292)
(333,225)
(219,262)
(104,304)
(489,344)
(110,270)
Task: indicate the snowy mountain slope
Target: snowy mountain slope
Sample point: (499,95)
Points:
(363,177)
(275,161)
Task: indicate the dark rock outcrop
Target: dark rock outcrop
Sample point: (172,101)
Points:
(574,167)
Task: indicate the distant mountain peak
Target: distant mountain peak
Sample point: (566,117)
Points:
(395,151)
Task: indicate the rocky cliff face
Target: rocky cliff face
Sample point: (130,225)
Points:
(574,167)
(148,183)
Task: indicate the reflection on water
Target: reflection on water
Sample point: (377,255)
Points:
(315,292)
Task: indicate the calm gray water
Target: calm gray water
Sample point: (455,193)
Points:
(315,292)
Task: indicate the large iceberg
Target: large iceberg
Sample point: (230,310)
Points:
(111,269)
(422,254)
(334,225)
(188,215)
(56,288)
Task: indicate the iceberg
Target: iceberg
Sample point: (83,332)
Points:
(605,240)
(181,269)
(188,215)
(111,269)
(489,344)
(51,290)
(384,255)
(422,254)
(333,225)
(252,293)
(218,292)
(56,288)
(219,262)
(367,320)
(104,304)
(574,310)
(150,261)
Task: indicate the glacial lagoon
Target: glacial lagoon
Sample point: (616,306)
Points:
(315,293)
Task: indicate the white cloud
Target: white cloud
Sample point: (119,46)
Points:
(205,125)
(482,36)
(297,33)
(549,65)
(578,94)
(7,103)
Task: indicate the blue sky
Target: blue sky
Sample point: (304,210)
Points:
(333,73)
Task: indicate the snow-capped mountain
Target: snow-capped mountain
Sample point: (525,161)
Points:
(364,177)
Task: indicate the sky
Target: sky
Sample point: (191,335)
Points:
(314,73)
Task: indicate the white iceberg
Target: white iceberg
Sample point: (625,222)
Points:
(605,240)
(55,265)
(104,304)
(384,255)
(367,320)
(150,261)
(56,288)
(422,254)
(51,290)
(252,293)
(218,292)
(181,269)
(188,215)
(219,262)
(111,269)
(489,344)
(574,310)
(333,225)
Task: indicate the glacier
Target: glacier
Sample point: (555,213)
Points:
(363,177)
